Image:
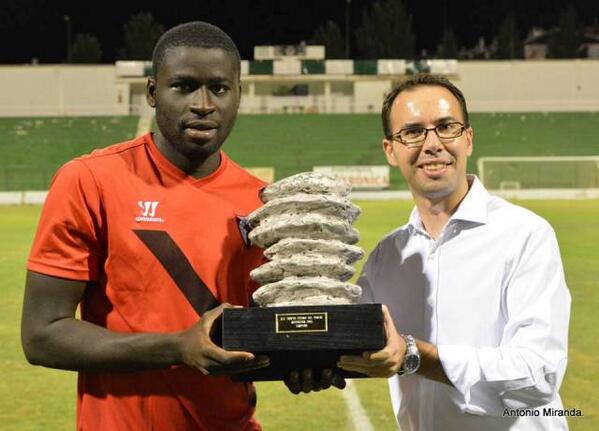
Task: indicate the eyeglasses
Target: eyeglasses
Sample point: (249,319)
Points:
(413,137)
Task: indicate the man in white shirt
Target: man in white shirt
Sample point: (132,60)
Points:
(474,284)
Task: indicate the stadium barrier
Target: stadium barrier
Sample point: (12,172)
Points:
(266,173)
(26,197)
(547,194)
(532,194)
(359,177)
(32,197)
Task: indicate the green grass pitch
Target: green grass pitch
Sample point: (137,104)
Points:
(34,398)
(32,149)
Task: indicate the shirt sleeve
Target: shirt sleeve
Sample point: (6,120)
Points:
(68,240)
(527,368)
(366,279)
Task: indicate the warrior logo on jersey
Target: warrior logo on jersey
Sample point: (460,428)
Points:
(148,212)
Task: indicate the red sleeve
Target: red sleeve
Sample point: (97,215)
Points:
(68,241)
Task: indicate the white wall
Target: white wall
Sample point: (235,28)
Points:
(489,86)
(369,95)
(50,90)
(512,86)
(508,86)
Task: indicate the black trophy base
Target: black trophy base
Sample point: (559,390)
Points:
(301,337)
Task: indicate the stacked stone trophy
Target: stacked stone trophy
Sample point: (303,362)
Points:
(307,315)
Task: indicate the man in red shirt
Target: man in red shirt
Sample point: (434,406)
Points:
(144,235)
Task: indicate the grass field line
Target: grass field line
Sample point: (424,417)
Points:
(143,126)
(357,414)
(146,115)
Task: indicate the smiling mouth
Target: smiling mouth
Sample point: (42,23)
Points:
(434,166)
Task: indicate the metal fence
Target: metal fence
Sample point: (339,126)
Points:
(13,178)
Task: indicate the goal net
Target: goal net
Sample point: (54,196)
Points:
(521,173)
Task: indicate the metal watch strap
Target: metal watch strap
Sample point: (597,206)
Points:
(411,361)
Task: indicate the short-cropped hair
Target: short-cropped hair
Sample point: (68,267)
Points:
(422,79)
(193,34)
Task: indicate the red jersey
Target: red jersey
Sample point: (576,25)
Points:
(161,247)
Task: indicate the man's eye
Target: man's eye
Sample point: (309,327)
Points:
(183,86)
(449,128)
(412,133)
(219,89)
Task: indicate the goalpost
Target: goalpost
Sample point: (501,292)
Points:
(549,176)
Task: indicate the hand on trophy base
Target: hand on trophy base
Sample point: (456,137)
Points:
(299,338)
(308,380)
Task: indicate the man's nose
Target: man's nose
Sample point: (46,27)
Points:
(432,143)
(202,101)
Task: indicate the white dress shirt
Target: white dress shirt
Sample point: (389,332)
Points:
(490,293)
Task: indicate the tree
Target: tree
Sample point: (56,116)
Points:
(141,34)
(86,49)
(330,36)
(567,40)
(508,42)
(448,48)
(386,31)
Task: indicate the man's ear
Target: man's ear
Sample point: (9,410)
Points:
(151,92)
(469,139)
(389,153)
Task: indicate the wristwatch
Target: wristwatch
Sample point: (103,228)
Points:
(411,361)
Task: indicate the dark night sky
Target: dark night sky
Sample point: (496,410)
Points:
(36,28)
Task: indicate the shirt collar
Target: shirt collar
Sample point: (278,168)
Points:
(473,207)
(415,222)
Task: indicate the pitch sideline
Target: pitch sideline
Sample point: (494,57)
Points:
(357,414)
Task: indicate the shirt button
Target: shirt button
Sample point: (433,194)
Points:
(430,301)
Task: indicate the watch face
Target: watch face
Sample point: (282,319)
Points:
(412,363)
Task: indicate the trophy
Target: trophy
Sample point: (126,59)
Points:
(307,314)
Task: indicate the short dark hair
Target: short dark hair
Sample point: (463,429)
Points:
(196,34)
(422,79)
